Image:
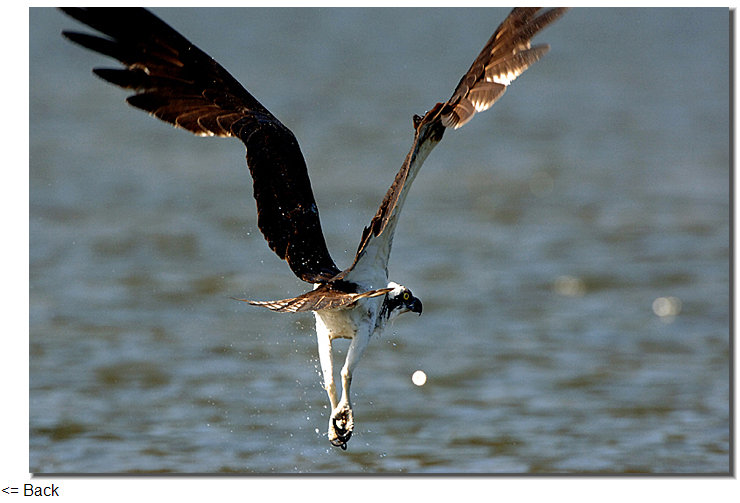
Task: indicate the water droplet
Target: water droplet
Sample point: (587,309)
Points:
(667,308)
(569,286)
(419,378)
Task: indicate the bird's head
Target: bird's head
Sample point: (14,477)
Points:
(400,300)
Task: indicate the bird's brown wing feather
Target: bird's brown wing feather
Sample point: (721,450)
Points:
(178,83)
(505,56)
(324,297)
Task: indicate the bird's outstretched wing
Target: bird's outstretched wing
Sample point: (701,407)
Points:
(180,84)
(505,56)
(330,295)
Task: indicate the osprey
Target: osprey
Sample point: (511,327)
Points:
(178,83)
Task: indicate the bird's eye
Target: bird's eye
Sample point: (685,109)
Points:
(406,296)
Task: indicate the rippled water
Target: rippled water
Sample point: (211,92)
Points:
(571,247)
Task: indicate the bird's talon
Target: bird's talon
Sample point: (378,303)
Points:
(341,426)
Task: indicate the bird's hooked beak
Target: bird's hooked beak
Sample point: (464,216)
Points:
(415,306)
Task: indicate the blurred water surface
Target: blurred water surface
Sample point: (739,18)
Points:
(571,247)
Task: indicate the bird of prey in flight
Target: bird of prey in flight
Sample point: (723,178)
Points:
(178,83)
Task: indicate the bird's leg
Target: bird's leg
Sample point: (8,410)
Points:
(342,422)
(327,365)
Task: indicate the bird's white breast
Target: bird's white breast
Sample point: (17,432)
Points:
(345,323)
